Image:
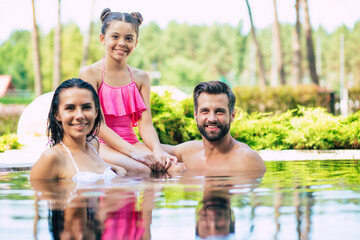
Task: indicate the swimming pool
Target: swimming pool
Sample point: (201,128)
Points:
(293,200)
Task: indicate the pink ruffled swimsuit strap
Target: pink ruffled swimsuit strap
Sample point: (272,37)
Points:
(103,72)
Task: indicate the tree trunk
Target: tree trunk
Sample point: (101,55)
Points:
(309,43)
(36,55)
(258,53)
(88,37)
(57,50)
(278,49)
(297,57)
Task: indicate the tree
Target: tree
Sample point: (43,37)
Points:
(36,55)
(278,44)
(87,37)
(258,52)
(57,50)
(309,43)
(16,59)
(296,46)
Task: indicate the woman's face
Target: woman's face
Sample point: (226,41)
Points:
(76,112)
(119,40)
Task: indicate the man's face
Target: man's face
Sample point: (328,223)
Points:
(213,118)
(214,218)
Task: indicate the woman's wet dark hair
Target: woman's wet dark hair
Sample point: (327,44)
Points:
(107,16)
(214,87)
(55,129)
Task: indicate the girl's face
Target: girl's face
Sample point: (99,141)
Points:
(119,40)
(76,112)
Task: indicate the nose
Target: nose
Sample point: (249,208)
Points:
(212,117)
(121,42)
(79,114)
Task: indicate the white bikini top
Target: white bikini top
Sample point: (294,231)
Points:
(88,176)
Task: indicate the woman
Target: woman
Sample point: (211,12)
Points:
(74,118)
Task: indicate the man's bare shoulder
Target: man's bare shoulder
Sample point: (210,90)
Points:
(190,145)
(247,158)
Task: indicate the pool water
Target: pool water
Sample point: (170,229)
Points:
(293,200)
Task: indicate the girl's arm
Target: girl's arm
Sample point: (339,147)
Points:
(111,138)
(146,128)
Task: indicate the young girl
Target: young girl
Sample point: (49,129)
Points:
(124,94)
(74,118)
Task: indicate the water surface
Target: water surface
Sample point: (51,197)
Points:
(293,200)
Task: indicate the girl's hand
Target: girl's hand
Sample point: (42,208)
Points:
(144,157)
(164,160)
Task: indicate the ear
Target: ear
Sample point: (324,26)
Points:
(195,115)
(232,116)
(57,117)
(136,42)
(102,39)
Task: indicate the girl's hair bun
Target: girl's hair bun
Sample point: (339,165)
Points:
(138,17)
(104,14)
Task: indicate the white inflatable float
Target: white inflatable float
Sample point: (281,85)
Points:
(32,124)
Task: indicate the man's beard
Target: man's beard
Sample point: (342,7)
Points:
(224,129)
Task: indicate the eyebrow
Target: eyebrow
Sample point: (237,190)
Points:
(116,33)
(72,104)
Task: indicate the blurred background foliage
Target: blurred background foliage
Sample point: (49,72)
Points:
(183,55)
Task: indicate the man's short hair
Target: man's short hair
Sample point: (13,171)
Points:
(214,87)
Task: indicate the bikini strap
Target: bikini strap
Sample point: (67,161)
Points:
(71,157)
(97,153)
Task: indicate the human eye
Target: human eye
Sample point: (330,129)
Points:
(221,111)
(130,38)
(69,107)
(87,107)
(115,37)
(204,110)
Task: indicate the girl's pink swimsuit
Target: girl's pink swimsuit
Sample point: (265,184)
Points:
(122,107)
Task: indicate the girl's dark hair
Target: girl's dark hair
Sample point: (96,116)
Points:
(107,16)
(214,87)
(55,129)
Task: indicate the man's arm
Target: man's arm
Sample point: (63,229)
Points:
(173,150)
(176,151)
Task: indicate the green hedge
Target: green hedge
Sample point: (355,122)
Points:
(300,128)
(281,99)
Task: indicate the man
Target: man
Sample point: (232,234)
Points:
(214,112)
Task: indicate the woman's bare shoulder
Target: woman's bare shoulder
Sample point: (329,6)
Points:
(49,164)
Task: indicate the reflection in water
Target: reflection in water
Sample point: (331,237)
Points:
(95,212)
(294,200)
(214,216)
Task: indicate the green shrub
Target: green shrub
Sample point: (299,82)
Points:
(299,128)
(280,99)
(9,141)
